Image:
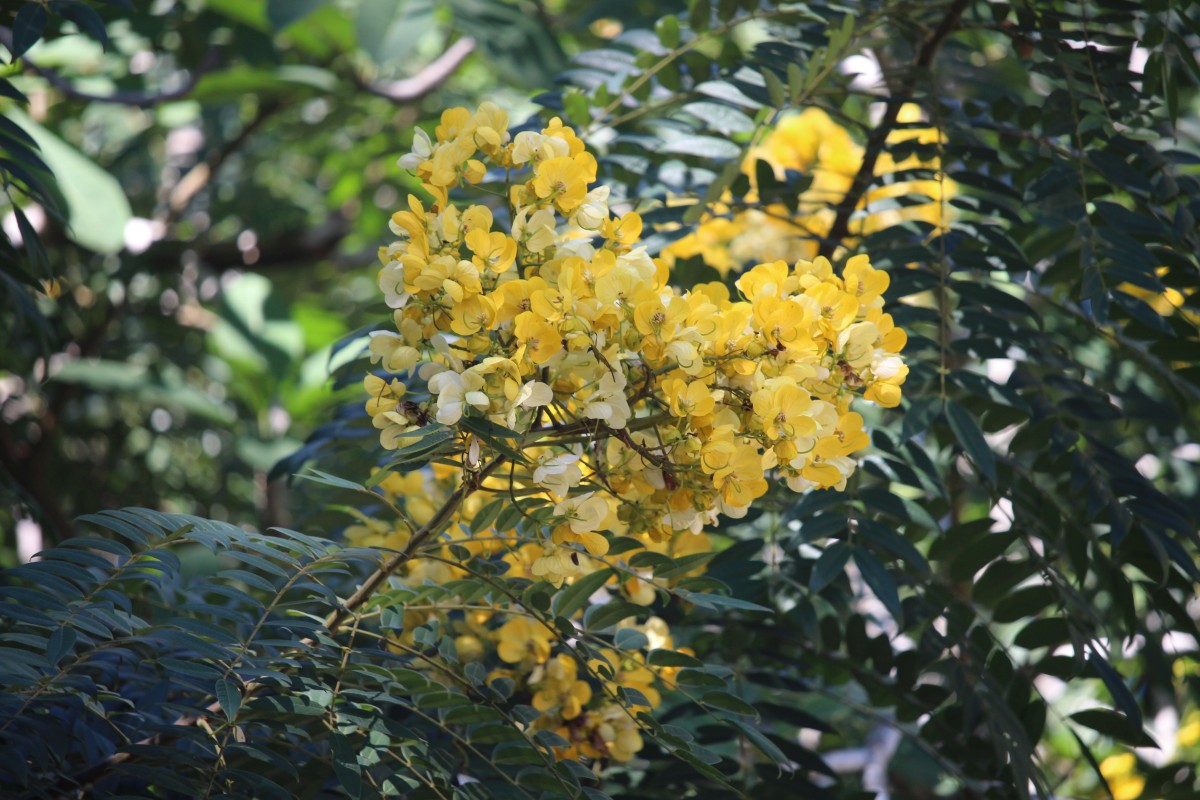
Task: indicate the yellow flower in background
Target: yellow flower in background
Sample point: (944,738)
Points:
(1164,303)
(560,688)
(813,144)
(521,638)
(1188,735)
(1123,781)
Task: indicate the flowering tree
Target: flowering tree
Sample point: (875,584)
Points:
(631,502)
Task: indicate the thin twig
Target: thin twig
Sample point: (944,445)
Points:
(434,74)
(878,138)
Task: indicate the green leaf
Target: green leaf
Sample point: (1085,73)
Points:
(718,602)
(896,544)
(667,29)
(969,435)
(282,13)
(776,90)
(706,147)
(1117,726)
(1116,686)
(138,382)
(684,564)
(829,565)
(345,764)
(600,617)
(27,28)
(256,333)
(86,19)
(518,46)
(721,117)
(228,696)
(728,702)
(290,80)
(630,639)
(672,658)
(96,203)
(1044,632)
(881,583)
(572,598)
(324,478)
(760,740)
(389,30)
(697,677)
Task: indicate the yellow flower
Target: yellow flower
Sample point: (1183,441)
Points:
(741,480)
(1123,782)
(782,405)
(565,180)
(493,251)
(1189,732)
(689,398)
(559,688)
(540,341)
(472,315)
(521,639)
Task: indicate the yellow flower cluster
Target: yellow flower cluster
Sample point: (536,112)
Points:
(813,144)
(630,408)
(643,409)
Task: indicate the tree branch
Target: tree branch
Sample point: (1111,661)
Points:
(878,138)
(425,81)
(198,177)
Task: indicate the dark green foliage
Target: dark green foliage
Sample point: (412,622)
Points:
(1076,208)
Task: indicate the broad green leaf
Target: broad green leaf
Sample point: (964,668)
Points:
(761,741)
(719,602)
(829,566)
(97,208)
(27,27)
(229,696)
(389,30)
(720,117)
(1116,687)
(671,658)
(282,13)
(881,583)
(137,382)
(345,764)
(600,617)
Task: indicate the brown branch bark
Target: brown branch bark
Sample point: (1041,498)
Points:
(199,176)
(878,137)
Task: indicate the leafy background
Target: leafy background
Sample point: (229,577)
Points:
(1001,604)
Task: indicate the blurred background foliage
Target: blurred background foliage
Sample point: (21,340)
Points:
(222,174)
(1002,603)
